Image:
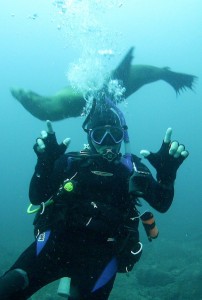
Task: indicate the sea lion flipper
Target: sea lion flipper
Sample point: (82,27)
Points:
(65,104)
(31,101)
(179,81)
(22,95)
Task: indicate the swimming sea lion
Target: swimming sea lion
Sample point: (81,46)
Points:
(67,103)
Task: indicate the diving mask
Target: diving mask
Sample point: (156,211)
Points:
(98,134)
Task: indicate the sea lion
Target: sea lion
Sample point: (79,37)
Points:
(66,103)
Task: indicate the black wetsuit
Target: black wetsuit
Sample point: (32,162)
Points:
(83,233)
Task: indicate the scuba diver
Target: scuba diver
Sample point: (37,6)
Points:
(86,226)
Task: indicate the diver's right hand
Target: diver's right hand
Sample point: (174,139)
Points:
(47,148)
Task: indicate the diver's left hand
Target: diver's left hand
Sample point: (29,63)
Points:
(168,159)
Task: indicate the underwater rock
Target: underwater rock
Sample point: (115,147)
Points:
(150,277)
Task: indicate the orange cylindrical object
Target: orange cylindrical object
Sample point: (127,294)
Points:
(149,224)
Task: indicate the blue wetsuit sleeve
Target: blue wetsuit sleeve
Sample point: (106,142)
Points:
(46,180)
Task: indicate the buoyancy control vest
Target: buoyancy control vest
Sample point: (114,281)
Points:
(93,196)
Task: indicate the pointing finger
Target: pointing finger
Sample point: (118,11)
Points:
(168,134)
(49,126)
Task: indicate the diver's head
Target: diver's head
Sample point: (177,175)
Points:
(105,130)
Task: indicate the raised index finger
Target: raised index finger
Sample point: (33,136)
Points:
(49,126)
(168,134)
